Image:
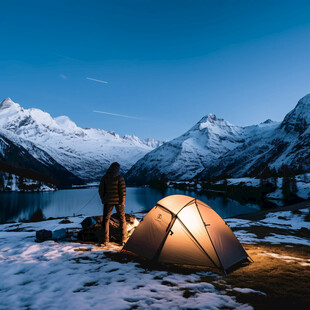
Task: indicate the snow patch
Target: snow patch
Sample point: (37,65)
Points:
(288,259)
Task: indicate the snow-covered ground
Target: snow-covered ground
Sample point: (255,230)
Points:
(12,183)
(302,183)
(245,181)
(69,275)
(285,220)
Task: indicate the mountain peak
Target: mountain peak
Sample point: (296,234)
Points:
(305,100)
(8,103)
(208,118)
(211,121)
(268,121)
(211,117)
(299,118)
(66,123)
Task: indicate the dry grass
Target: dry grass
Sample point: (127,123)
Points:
(286,284)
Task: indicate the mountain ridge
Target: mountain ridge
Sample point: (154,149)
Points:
(87,153)
(229,149)
(213,146)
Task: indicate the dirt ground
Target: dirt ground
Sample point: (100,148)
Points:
(279,284)
(284,283)
(281,271)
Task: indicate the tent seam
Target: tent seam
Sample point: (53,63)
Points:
(161,206)
(195,240)
(221,266)
(186,205)
(157,254)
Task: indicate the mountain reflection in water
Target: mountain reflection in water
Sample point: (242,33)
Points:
(16,206)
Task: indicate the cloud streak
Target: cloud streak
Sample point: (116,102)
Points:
(100,81)
(66,57)
(115,114)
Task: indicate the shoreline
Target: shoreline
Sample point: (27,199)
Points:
(256,216)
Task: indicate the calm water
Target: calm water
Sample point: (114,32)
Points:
(21,206)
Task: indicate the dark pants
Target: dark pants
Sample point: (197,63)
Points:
(107,210)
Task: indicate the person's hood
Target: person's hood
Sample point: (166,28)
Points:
(114,170)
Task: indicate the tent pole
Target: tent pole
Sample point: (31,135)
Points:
(210,239)
(157,254)
(190,202)
(199,245)
(160,206)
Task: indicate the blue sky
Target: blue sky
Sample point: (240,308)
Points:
(167,63)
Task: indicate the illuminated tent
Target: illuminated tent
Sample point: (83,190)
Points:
(184,230)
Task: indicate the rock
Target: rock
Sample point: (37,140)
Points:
(65,221)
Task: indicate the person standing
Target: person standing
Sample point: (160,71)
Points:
(112,191)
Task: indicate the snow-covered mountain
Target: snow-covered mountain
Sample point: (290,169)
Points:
(84,152)
(182,158)
(287,143)
(298,120)
(15,159)
(214,146)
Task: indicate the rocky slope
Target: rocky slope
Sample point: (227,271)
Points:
(285,144)
(16,159)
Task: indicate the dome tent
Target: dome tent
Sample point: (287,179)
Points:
(183,230)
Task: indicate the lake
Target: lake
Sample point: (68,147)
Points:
(15,206)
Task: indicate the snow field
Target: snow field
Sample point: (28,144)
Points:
(69,275)
(52,275)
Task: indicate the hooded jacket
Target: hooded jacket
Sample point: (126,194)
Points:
(112,188)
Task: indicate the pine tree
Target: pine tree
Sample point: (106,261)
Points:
(286,188)
(21,180)
(300,170)
(294,188)
(10,182)
(274,177)
(225,184)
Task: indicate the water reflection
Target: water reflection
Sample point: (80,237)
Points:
(21,206)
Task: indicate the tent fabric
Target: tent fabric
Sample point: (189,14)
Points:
(228,247)
(184,230)
(175,204)
(190,215)
(180,248)
(151,233)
